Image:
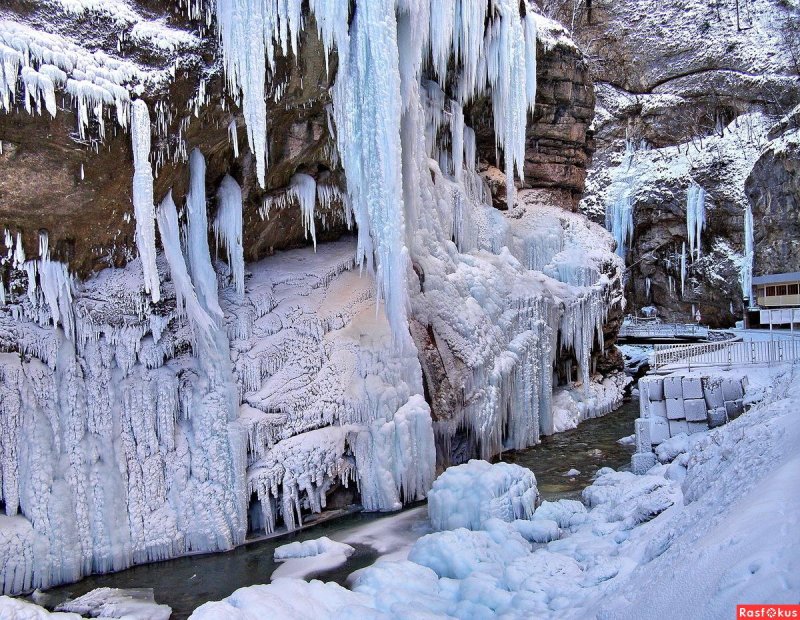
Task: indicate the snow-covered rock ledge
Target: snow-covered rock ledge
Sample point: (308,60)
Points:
(725,512)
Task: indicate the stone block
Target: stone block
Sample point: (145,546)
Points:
(659,430)
(655,388)
(675,409)
(673,387)
(734,408)
(641,462)
(642,428)
(676,427)
(644,404)
(692,387)
(732,389)
(658,409)
(712,392)
(717,417)
(695,409)
(697,427)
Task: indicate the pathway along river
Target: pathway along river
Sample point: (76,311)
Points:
(186,583)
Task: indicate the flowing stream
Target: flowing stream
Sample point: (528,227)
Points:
(188,582)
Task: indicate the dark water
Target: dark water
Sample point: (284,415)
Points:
(188,582)
(587,448)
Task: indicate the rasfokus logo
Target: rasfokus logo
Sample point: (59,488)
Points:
(768,611)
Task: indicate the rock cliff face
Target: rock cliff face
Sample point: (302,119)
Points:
(676,84)
(773,188)
(559,143)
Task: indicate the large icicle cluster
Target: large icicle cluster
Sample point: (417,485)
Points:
(155,430)
(374,86)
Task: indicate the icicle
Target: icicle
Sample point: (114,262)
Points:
(683,269)
(186,298)
(746,266)
(695,217)
(233,135)
(619,221)
(367,111)
(203,276)
(19,252)
(143,206)
(228,228)
(457,140)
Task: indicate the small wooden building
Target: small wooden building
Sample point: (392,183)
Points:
(778,290)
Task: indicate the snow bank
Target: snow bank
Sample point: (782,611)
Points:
(132,604)
(469,495)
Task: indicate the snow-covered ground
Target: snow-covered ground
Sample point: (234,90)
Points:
(714,524)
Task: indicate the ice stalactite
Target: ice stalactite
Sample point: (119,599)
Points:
(304,191)
(507,59)
(143,205)
(372,89)
(647,287)
(203,276)
(746,268)
(367,110)
(695,218)
(683,269)
(233,136)
(185,297)
(228,228)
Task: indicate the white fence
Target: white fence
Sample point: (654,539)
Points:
(725,353)
(662,330)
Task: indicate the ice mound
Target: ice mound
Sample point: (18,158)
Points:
(457,554)
(469,495)
(310,557)
(309,548)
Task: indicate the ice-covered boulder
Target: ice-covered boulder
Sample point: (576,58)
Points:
(469,495)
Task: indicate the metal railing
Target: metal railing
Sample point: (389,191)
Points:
(662,330)
(725,353)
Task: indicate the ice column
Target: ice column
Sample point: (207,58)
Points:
(143,206)
(683,268)
(619,221)
(228,228)
(746,269)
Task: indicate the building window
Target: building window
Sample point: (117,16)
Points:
(780,290)
(770,291)
(793,289)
